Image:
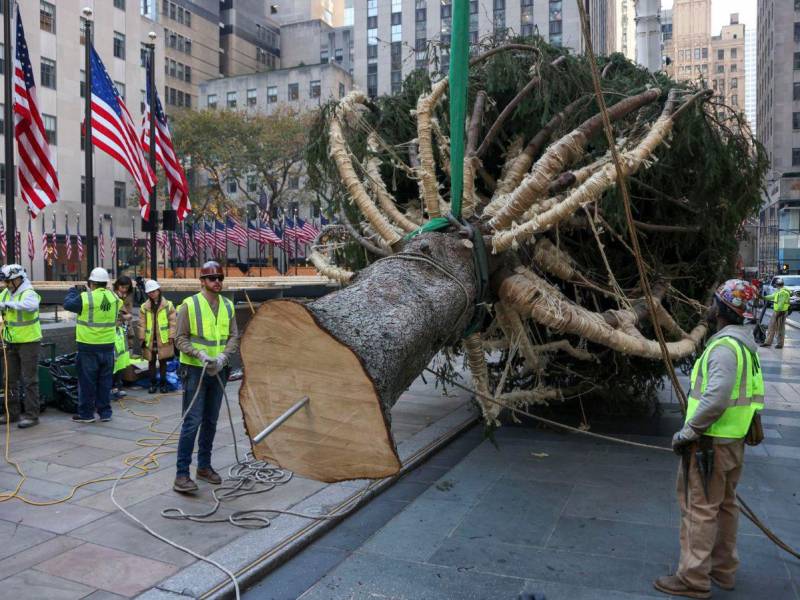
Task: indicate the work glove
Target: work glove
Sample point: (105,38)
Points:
(683,438)
(222,362)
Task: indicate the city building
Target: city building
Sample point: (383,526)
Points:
(778,129)
(691,35)
(728,72)
(667,42)
(330,12)
(750,76)
(394,37)
(249,39)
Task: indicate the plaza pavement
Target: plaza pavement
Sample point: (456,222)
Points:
(561,515)
(85,548)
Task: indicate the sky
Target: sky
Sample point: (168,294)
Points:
(721,10)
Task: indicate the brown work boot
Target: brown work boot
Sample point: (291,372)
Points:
(209,475)
(672,584)
(184,485)
(727,584)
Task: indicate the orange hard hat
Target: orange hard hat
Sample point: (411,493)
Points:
(211,267)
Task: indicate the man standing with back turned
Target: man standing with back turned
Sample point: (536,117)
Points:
(727,391)
(22,335)
(206,335)
(95,332)
(781,299)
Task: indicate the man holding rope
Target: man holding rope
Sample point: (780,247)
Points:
(727,390)
(206,336)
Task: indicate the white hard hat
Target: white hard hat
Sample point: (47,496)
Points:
(151,285)
(99,275)
(778,280)
(13,271)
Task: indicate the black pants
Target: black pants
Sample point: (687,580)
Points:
(162,370)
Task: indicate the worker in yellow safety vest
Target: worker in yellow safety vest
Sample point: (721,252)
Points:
(781,299)
(95,331)
(22,335)
(727,391)
(206,337)
(157,325)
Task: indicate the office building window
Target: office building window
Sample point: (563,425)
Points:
(797,61)
(372,8)
(2,117)
(796,91)
(119,45)
(720,54)
(144,53)
(294,91)
(232,187)
(397,33)
(48,73)
(120,89)
(735,53)
(120,4)
(2,58)
(704,53)
(796,157)
(735,100)
(2,179)
(720,68)
(252,97)
(252,184)
(314,89)
(294,183)
(341,90)
(120,199)
(49,122)
(231,99)
(47,16)
(499,16)
(211,101)
(272,94)
(397,6)
(734,68)
(734,83)
(796,120)
(82,84)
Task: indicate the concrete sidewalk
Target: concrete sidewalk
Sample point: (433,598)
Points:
(84,548)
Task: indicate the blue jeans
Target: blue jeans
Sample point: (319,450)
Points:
(203,416)
(95,375)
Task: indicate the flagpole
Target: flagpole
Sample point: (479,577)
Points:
(260,245)
(133,246)
(11,219)
(151,100)
(296,216)
(89,166)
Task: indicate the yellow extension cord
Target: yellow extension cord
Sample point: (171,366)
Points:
(148,463)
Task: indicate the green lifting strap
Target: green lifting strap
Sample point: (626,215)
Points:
(459,77)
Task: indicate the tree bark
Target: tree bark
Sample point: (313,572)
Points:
(353,353)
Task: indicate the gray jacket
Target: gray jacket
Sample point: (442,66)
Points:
(721,379)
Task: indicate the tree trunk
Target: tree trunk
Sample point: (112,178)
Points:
(353,352)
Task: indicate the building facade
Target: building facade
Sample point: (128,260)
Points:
(750,76)
(249,37)
(394,37)
(728,72)
(778,129)
(691,36)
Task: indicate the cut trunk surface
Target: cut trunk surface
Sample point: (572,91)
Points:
(353,353)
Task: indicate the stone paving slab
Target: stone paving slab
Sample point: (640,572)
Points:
(88,528)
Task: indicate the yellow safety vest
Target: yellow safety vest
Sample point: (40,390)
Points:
(21,326)
(163,323)
(97,322)
(780,300)
(207,332)
(122,356)
(747,393)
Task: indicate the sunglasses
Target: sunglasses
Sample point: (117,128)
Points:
(219,278)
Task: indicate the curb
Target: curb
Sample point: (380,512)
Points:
(253,556)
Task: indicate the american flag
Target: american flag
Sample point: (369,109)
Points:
(237,233)
(2,235)
(220,239)
(147,248)
(283,243)
(113,131)
(101,244)
(267,236)
(31,247)
(200,236)
(113,245)
(165,154)
(289,232)
(38,181)
(68,239)
(188,245)
(210,238)
(305,231)
(80,241)
(161,238)
(53,240)
(45,243)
